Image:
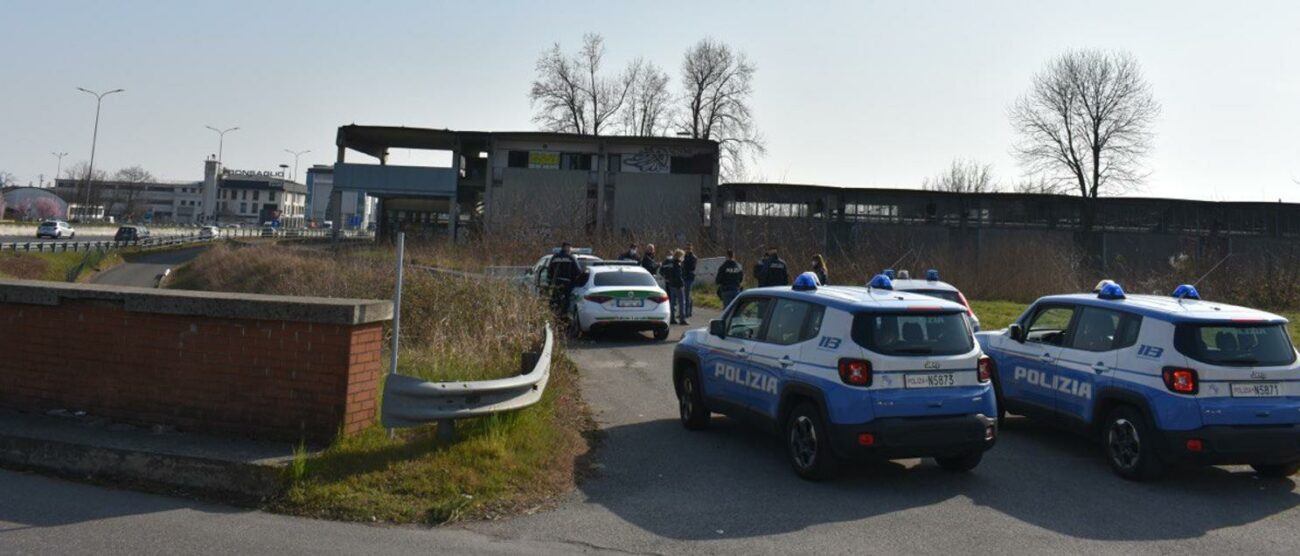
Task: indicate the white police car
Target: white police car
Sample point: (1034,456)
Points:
(843,372)
(932,287)
(618,295)
(1160,379)
(537,278)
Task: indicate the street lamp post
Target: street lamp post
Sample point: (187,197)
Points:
(221,139)
(296,154)
(94,137)
(58,168)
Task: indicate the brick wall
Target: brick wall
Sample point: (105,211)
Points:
(261,366)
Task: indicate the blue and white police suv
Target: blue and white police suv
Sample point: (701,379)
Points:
(933,287)
(1160,379)
(843,373)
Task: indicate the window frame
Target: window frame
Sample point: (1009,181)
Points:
(1066,333)
(816,310)
(1125,318)
(761,332)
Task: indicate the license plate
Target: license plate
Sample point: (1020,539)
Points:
(630,303)
(930,380)
(1256,389)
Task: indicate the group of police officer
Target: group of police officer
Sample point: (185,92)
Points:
(678,273)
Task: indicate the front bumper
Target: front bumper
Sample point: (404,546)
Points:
(1227,445)
(914,437)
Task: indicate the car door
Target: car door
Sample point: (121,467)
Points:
(1029,375)
(776,357)
(1087,362)
(727,364)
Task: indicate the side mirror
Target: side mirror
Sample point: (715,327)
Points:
(718,328)
(1016,332)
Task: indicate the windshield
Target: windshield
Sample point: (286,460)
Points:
(913,334)
(945,295)
(1262,345)
(624,279)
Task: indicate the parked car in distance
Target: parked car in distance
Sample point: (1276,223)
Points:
(208,232)
(55,229)
(131,233)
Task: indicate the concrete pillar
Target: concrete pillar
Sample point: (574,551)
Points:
(453,207)
(336,213)
(600,166)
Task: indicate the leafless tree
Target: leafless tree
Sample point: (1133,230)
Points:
(717,83)
(1087,118)
(1041,185)
(962,176)
(649,104)
(7,179)
(78,175)
(571,94)
(133,199)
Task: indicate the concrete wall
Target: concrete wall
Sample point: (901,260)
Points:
(657,203)
(540,198)
(270,367)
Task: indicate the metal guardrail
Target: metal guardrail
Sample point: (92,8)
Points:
(409,401)
(164,241)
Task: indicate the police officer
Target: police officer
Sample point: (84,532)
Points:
(630,254)
(563,270)
(688,279)
(648,262)
(772,271)
(674,282)
(730,275)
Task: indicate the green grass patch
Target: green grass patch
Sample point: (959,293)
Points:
(452,329)
(706,296)
(65,266)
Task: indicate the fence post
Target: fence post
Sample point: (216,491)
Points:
(397,317)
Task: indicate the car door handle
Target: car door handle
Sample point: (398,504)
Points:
(741,353)
(1099,367)
(1046,357)
(786,361)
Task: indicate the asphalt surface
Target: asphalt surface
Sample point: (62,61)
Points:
(663,489)
(141,270)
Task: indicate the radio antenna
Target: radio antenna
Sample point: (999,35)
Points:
(1212,269)
(900,259)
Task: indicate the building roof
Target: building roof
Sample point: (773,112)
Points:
(376,140)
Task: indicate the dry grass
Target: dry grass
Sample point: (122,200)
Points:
(452,329)
(56,267)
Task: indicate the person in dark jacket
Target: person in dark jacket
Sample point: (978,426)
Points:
(648,262)
(688,279)
(772,271)
(671,270)
(630,254)
(730,275)
(819,268)
(562,270)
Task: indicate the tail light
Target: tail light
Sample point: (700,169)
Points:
(985,368)
(1180,380)
(597,298)
(659,299)
(855,372)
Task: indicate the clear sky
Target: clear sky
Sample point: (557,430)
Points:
(847,93)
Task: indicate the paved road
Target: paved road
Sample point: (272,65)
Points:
(140,270)
(663,489)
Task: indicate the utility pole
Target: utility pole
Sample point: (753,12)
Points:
(94,137)
(296,154)
(221,139)
(58,168)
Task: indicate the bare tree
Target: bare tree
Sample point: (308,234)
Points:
(571,94)
(133,200)
(78,174)
(717,83)
(1087,118)
(962,176)
(1041,185)
(7,179)
(649,104)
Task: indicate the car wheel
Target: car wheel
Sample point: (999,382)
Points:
(73,235)
(661,334)
(997,396)
(960,463)
(1276,470)
(690,401)
(808,443)
(1130,445)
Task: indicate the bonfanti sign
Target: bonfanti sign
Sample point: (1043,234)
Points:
(253,173)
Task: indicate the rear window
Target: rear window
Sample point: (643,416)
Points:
(48,224)
(1265,345)
(913,334)
(624,279)
(946,295)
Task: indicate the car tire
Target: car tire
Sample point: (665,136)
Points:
(661,334)
(960,463)
(73,235)
(1276,470)
(997,397)
(808,443)
(1130,445)
(690,401)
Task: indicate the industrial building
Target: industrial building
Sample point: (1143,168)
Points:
(358,208)
(530,182)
